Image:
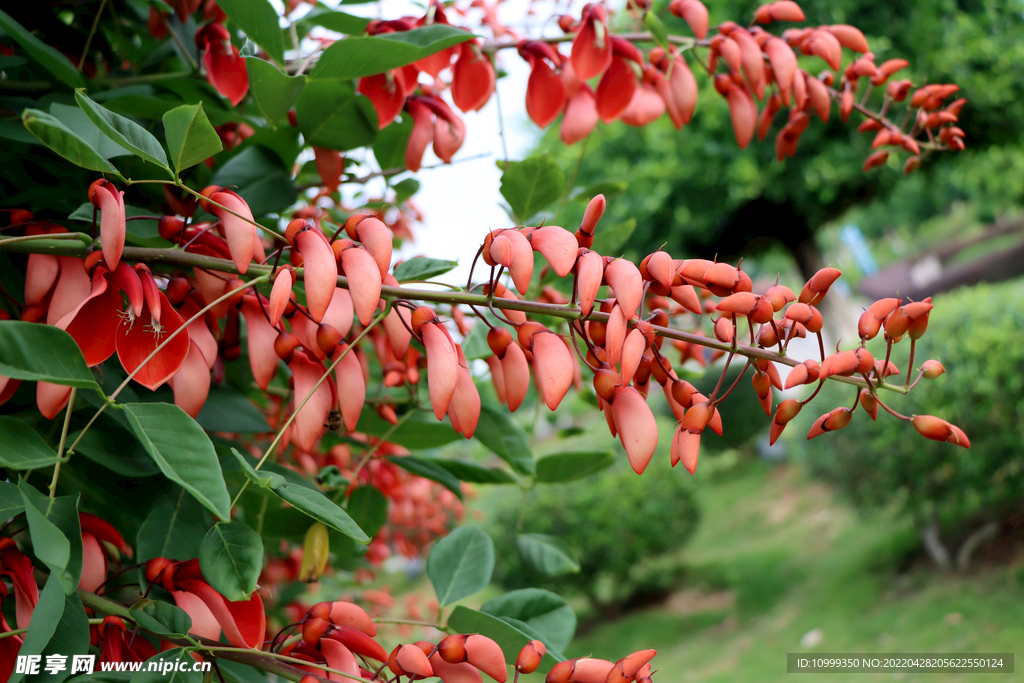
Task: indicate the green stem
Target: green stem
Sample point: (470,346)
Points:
(63,440)
(92,32)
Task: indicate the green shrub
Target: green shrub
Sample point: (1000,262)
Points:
(624,529)
(940,484)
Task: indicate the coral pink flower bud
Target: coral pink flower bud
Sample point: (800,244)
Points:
(589,275)
(348,375)
(464,409)
(931,369)
(239,227)
(557,245)
(937,429)
(870,404)
(694,13)
(552,362)
(105,197)
(786,411)
(637,428)
(581,670)
(310,419)
(319,266)
(442,363)
(625,282)
(659,267)
(834,420)
(280,294)
(364,282)
(530,656)
(409,660)
(260,340)
(593,214)
(625,670)
(376,237)
(817,287)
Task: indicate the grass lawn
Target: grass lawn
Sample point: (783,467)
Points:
(777,557)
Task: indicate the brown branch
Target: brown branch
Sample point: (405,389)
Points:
(176,257)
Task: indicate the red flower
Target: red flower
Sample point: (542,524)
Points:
(225,68)
(592,49)
(545,90)
(244,622)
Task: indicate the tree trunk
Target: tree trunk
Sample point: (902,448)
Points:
(932,540)
(967,548)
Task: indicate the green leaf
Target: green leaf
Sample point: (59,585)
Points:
(11,502)
(99,446)
(369,55)
(38,352)
(190,136)
(428,469)
(56,533)
(561,467)
(175,658)
(161,618)
(46,618)
(259,178)
(259,20)
(611,240)
(419,431)
(231,558)
(274,92)
(79,123)
(542,610)
(228,410)
(21,447)
(422,268)
(460,564)
(501,434)
(70,637)
(51,132)
(332,115)
(530,185)
(183,452)
(124,132)
(369,508)
(170,531)
(547,555)
(390,144)
(509,638)
(657,30)
(49,58)
(311,502)
(406,189)
(467,470)
(333,20)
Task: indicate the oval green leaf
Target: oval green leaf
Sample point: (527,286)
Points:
(467,470)
(38,352)
(21,447)
(11,502)
(231,558)
(259,20)
(331,114)
(273,91)
(422,268)
(51,132)
(161,618)
(190,136)
(124,132)
(369,55)
(308,500)
(460,564)
(499,432)
(562,467)
(532,184)
(45,619)
(56,534)
(545,612)
(182,451)
(547,555)
(428,468)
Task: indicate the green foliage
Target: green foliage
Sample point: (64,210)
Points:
(884,463)
(613,523)
(231,557)
(511,637)
(460,564)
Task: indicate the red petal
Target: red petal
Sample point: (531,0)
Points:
(244,622)
(309,422)
(363,281)
(319,271)
(260,337)
(615,90)
(472,79)
(94,564)
(241,234)
(351,386)
(589,56)
(442,367)
(135,341)
(545,94)
(225,70)
(386,93)
(422,134)
(580,116)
